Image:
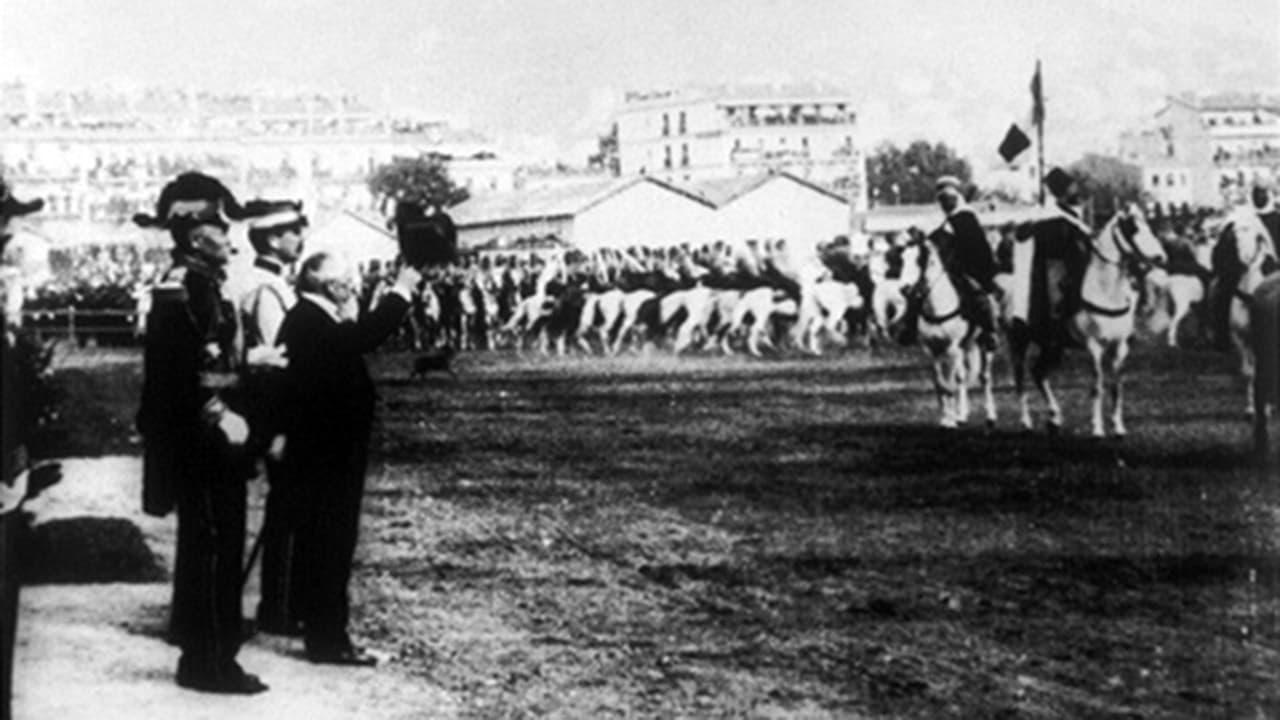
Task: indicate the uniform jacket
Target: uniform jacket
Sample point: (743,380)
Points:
(190,358)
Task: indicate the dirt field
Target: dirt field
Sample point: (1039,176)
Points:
(707,537)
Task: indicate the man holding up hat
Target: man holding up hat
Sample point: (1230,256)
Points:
(329,419)
(972,259)
(194,434)
(20,479)
(276,234)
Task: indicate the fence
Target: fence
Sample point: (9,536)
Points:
(101,327)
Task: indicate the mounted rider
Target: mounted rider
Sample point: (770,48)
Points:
(1261,218)
(1048,274)
(969,259)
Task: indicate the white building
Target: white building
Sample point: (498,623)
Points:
(104,155)
(619,213)
(694,134)
(1207,150)
(775,205)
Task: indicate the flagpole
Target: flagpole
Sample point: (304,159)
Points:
(1039,112)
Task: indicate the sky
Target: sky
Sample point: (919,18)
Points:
(544,76)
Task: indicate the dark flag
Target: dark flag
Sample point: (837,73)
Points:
(1015,141)
(1037,98)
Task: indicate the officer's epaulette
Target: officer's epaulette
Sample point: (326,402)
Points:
(172,288)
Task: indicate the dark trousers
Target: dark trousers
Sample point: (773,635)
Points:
(12,529)
(333,485)
(206,619)
(277,608)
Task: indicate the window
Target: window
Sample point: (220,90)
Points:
(804,143)
(682,123)
(666,124)
(1155,181)
(666,157)
(1169,181)
(737,144)
(684,155)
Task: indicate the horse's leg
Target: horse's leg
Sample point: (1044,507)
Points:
(988,392)
(1046,360)
(1117,387)
(960,376)
(1180,310)
(941,374)
(1097,352)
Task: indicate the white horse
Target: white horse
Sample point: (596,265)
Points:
(1256,255)
(888,301)
(951,341)
(1176,295)
(1118,258)
(834,300)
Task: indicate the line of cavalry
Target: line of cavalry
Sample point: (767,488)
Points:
(766,295)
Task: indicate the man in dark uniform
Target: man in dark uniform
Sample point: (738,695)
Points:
(194,436)
(971,261)
(327,437)
(20,479)
(276,233)
(1061,253)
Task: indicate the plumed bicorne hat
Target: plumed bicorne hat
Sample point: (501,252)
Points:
(268,215)
(11,206)
(1058,181)
(191,199)
(424,239)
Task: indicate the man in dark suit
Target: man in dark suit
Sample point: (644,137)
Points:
(327,431)
(194,432)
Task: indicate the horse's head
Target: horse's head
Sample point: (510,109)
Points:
(1132,238)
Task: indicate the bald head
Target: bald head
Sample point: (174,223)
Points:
(326,274)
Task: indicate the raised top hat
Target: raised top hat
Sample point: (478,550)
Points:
(425,239)
(11,206)
(1058,181)
(274,214)
(192,198)
(948,182)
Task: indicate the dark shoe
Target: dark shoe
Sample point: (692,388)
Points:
(349,656)
(234,682)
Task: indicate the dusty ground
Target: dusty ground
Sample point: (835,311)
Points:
(725,538)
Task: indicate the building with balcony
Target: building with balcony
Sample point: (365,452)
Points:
(103,155)
(1207,150)
(696,134)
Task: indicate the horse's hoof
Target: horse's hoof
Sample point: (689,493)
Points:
(1053,428)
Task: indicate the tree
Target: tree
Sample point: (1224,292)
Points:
(423,180)
(1107,183)
(898,176)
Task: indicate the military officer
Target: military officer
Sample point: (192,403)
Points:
(276,231)
(194,434)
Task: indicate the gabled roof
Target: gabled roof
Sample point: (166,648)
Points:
(551,202)
(722,191)
(1228,101)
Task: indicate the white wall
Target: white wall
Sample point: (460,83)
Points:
(644,214)
(783,208)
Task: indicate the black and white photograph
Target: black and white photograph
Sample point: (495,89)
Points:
(761,359)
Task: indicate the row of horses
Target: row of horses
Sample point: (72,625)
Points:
(765,296)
